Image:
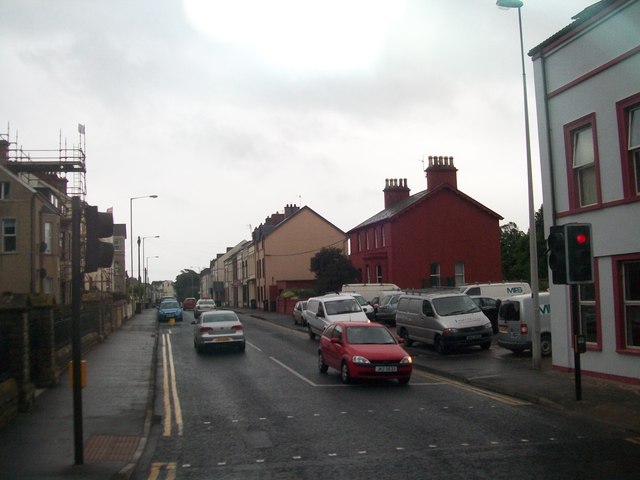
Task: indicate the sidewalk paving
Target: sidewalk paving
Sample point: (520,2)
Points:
(118,402)
(116,407)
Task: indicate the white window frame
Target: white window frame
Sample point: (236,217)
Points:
(459,274)
(584,165)
(6,223)
(5,189)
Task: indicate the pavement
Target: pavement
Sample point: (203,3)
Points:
(118,402)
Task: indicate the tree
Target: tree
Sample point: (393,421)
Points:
(187,284)
(515,251)
(332,269)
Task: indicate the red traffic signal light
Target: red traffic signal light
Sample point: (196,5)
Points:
(579,253)
(98,254)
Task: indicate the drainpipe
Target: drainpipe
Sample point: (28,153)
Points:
(549,149)
(33,245)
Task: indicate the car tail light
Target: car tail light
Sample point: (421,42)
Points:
(205,330)
(524,329)
(237,328)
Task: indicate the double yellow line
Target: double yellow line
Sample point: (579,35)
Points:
(170,389)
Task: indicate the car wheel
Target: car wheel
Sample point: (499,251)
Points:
(242,347)
(312,335)
(323,367)
(197,347)
(405,336)
(404,380)
(485,346)
(295,320)
(545,345)
(345,376)
(440,346)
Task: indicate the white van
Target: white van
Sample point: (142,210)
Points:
(369,290)
(515,323)
(497,290)
(445,320)
(334,307)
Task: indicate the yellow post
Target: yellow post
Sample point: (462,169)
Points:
(83,373)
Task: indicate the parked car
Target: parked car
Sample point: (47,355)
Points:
(169,310)
(189,303)
(386,312)
(515,323)
(218,328)
(298,311)
(334,307)
(489,307)
(203,305)
(444,320)
(367,308)
(363,350)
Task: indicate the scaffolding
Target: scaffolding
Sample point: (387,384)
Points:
(66,163)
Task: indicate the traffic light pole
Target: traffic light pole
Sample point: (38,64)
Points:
(575,316)
(76,344)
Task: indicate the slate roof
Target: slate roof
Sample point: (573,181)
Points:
(405,204)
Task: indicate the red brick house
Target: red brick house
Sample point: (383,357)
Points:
(437,237)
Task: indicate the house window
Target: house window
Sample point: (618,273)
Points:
(434,277)
(631,300)
(359,243)
(116,245)
(116,268)
(4,190)
(628,111)
(375,238)
(9,243)
(47,285)
(366,240)
(459,274)
(584,170)
(379,273)
(384,241)
(48,237)
(582,162)
(587,312)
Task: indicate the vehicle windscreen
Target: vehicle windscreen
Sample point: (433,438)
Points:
(510,311)
(455,305)
(361,300)
(219,317)
(165,305)
(369,335)
(338,307)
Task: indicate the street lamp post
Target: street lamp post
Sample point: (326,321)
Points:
(131,199)
(533,248)
(143,239)
(146,270)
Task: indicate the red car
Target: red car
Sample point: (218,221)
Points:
(365,351)
(189,303)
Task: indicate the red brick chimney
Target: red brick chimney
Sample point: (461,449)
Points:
(395,190)
(439,171)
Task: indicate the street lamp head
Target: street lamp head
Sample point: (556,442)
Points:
(156,196)
(509,3)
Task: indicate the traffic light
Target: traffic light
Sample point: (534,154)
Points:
(98,254)
(579,253)
(557,255)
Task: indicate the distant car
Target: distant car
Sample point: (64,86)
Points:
(363,350)
(218,328)
(169,310)
(203,305)
(367,308)
(333,307)
(386,312)
(298,310)
(489,307)
(189,303)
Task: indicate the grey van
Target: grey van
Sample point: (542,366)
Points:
(444,320)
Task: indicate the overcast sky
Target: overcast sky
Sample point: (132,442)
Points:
(229,110)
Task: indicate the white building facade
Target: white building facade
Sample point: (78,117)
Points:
(587,83)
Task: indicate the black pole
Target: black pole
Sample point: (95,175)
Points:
(139,279)
(575,312)
(76,345)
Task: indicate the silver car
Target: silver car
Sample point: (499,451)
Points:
(203,305)
(218,328)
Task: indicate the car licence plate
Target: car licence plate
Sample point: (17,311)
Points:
(473,337)
(503,329)
(222,339)
(386,369)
